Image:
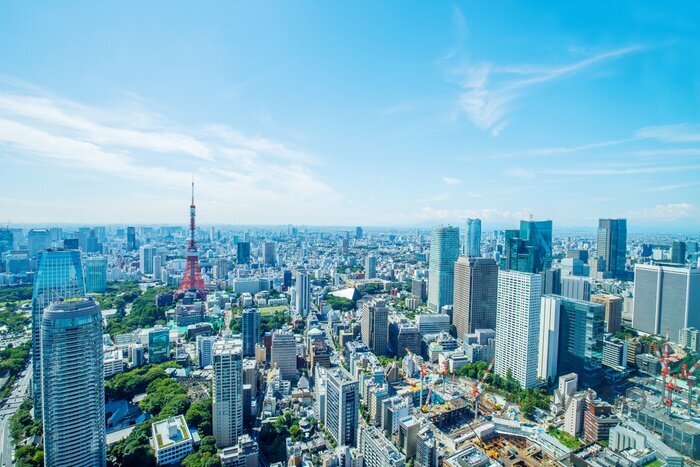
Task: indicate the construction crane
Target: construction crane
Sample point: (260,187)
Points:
(663,356)
(423,373)
(424,408)
(690,381)
(476,388)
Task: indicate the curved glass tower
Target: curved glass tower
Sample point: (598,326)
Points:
(73,384)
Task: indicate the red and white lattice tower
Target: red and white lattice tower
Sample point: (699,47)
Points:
(192,280)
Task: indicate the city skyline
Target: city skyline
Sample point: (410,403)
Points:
(293,121)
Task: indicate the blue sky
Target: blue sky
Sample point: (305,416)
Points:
(342,113)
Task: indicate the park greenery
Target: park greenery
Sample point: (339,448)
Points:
(144,313)
(564,438)
(14,359)
(339,303)
(22,426)
(205,456)
(273,436)
(130,383)
(15,321)
(15,293)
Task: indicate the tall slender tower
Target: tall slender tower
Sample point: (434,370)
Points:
(192,279)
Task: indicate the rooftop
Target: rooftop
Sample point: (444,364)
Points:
(170,431)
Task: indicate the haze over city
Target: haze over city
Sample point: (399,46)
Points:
(351,114)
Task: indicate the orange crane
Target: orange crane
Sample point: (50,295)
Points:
(424,408)
(663,356)
(476,388)
(690,381)
(423,373)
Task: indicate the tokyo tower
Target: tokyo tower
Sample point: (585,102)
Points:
(192,279)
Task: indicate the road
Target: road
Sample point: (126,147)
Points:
(18,395)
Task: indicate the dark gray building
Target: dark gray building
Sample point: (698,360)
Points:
(612,246)
(475,291)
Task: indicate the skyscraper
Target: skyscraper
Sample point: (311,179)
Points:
(475,290)
(613,311)
(548,351)
(243,252)
(666,297)
(612,246)
(444,251)
(342,406)
(284,353)
(370,267)
(528,249)
(59,277)
(472,239)
(269,254)
(95,274)
(303,292)
(73,384)
(518,326)
(39,240)
(578,288)
(146,255)
(131,243)
(6,240)
(678,255)
(358,233)
(375,326)
(227,392)
(581,329)
(250,327)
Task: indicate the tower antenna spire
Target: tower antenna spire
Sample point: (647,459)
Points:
(193,190)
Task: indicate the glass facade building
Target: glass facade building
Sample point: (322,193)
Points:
(59,276)
(581,328)
(444,251)
(472,243)
(158,345)
(528,249)
(612,246)
(73,384)
(95,274)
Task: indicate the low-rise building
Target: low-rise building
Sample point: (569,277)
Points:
(171,440)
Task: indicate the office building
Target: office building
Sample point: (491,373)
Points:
(475,288)
(615,354)
(244,454)
(72,379)
(131,243)
(598,419)
(419,289)
(689,339)
(678,252)
(38,240)
(303,292)
(403,335)
(358,233)
(284,354)
(377,451)
(581,328)
(171,440)
(250,328)
(426,447)
(342,406)
(548,352)
(666,297)
(6,240)
(95,274)
(408,434)
(59,276)
(269,253)
(612,247)
(158,345)
(205,349)
(444,251)
(375,326)
(472,239)
(613,311)
(146,255)
(243,252)
(428,323)
(227,392)
(577,288)
(551,281)
(370,267)
(528,249)
(518,326)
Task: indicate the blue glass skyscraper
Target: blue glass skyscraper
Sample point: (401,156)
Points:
(59,276)
(444,251)
(528,249)
(472,243)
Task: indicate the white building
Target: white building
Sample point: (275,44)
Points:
(146,255)
(548,352)
(432,323)
(518,326)
(342,406)
(303,292)
(227,392)
(377,451)
(171,440)
(284,353)
(205,347)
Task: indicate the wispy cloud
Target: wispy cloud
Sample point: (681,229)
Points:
(489,91)
(451,181)
(673,187)
(435,198)
(680,133)
(664,212)
(455,215)
(588,171)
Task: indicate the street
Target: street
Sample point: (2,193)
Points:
(18,395)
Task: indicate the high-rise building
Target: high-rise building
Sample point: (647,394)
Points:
(548,351)
(205,349)
(250,327)
(342,406)
(678,252)
(39,240)
(581,329)
(666,298)
(358,233)
(95,274)
(613,311)
(244,454)
(131,243)
(444,251)
(578,288)
(371,267)
(612,246)
(377,450)
(227,392)
(73,384)
(528,249)
(472,239)
(284,353)
(475,289)
(243,252)
(518,326)
(269,253)
(158,345)
(345,246)
(375,326)
(6,240)
(302,286)
(615,354)
(146,255)
(59,277)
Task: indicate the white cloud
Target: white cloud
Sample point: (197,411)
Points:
(435,198)
(590,171)
(520,173)
(673,187)
(664,212)
(487,215)
(489,91)
(451,181)
(681,133)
